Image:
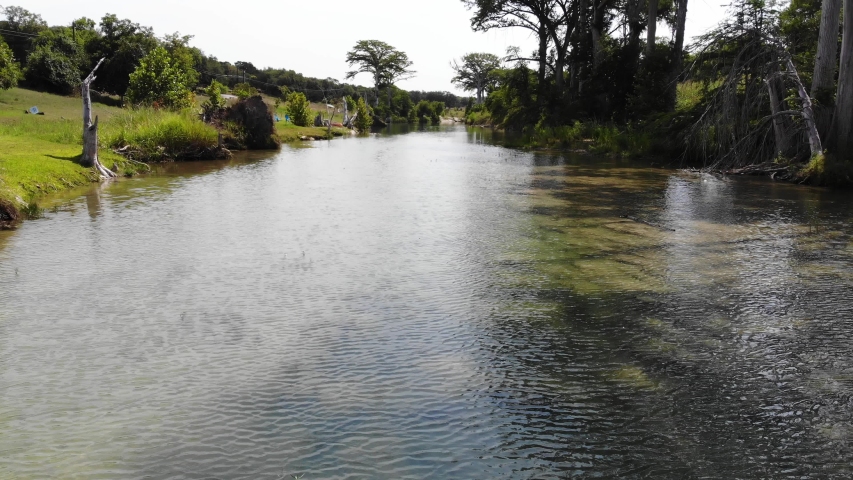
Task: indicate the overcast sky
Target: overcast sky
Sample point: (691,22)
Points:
(313,37)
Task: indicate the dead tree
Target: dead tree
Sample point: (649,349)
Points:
(90,130)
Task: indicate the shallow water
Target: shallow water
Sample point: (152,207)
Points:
(429,305)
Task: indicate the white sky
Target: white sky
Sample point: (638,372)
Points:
(313,37)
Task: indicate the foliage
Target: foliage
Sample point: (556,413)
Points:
(54,64)
(124,44)
(23,23)
(364,119)
(214,102)
(244,91)
(476,73)
(9,70)
(385,63)
(299,109)
(160,81)
(429,111)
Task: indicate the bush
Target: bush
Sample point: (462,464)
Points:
(364,120)
(215,103)
(50,69)
(9,71)
(244,91)
(299,109)
(160,81)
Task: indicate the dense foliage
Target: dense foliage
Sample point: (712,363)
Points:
(160,81)
(299,109)
(9,70)
(760,90)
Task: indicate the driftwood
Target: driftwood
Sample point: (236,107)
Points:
(90,130)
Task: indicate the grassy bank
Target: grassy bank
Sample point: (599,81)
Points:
(38,153)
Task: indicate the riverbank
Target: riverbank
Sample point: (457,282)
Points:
(38,153)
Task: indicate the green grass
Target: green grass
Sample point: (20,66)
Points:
(38,153)
(155,135)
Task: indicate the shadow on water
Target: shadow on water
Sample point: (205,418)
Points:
(429,305)
(727,362)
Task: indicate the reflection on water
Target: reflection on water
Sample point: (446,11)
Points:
(428,305)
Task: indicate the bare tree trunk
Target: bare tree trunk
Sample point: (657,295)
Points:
(823,82)
(652,28)
(780,125)
(596,28)
(677,52)
(808,112)
(843,119)
(90,129)
(543,64)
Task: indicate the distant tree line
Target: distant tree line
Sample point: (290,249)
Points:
(56,58)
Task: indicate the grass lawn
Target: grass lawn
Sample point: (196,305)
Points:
(38,153)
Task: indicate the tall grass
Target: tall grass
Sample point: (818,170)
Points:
(158,135)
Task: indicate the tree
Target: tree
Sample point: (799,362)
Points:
(475,73)
(299,109)
(23,23)
(363,120)
(385,63)
(123,44)
(823,81)
(160,81)
(528,14)
(843,119)
(54,64)
(9,71)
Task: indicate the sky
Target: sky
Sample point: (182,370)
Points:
(313,37)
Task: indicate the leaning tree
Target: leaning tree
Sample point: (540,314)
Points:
(385,63)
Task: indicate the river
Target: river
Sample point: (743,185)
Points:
(429,305)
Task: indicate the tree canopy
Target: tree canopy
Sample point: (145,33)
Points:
(385,63)
(476,72)
(160,80)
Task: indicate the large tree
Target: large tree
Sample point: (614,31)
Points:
(385,63)
(823,81)
(843,120)
(123,44)
(475,72)
(528,14)
(54,64)
(22,24)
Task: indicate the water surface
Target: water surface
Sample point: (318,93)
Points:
(428,305)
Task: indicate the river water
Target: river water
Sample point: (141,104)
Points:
(429,305)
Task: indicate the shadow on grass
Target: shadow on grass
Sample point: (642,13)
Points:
(73,158)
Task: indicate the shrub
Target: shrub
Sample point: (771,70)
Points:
(9,71)
(244,91)
(299,109)
(364,120)
(160,81)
